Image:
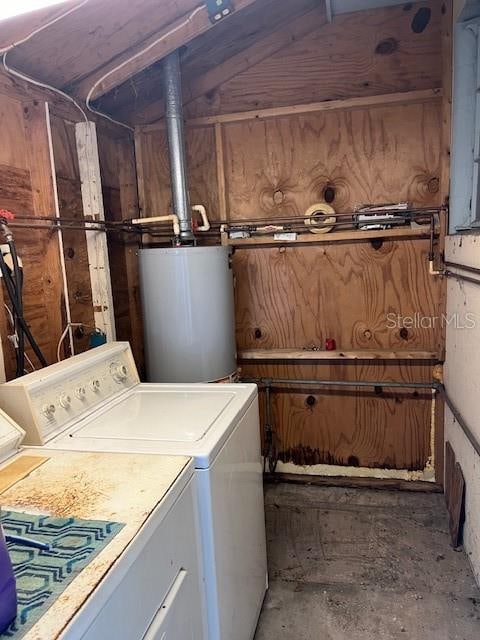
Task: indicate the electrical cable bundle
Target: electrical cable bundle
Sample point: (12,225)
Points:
(13,278)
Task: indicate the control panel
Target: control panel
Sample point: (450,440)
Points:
(46,401)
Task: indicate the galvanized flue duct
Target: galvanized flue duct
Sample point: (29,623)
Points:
(172,88)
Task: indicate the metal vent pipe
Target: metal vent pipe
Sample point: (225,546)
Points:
(172,89)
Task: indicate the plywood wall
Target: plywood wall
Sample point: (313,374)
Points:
(152,153)
(296,297)
(380,428)
(27,188)
(366,155)
(120,199)
(74,242)
(359,54)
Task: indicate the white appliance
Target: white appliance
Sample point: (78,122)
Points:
(188,313)
(95,402)
(145,584)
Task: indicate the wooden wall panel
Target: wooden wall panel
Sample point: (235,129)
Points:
(13,150)
(367,155)
(201,171)
(117,165)
(386,428)
(26,187)
(298,297)
(74,241)
(27,190)
(361,53)
(155,173)
(38,156)
(15,189)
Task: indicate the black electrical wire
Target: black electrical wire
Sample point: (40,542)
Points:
(18,310)
(11,290)
(18,288)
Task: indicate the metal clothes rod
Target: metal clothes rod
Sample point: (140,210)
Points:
(411,214)
(88,226)
(461,421)
(21,217)
(461,276)
(269,382)
(464,267)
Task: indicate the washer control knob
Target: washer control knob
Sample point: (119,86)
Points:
(80,393)
(48,410)
(64,400)
(95,385)
(118,371)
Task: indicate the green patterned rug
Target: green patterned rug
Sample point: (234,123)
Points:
(43,575)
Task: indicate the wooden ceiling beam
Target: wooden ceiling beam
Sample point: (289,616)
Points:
(123,67)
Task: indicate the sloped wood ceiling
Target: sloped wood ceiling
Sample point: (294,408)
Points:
(364,53)
(287,53)
(90,38)
(243,30)
(99,36)
(95,37)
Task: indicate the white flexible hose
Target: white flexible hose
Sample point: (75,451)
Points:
(43,85)
(38,83)
(43,27)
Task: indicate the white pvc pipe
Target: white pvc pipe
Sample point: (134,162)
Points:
(171,218)
(199,208)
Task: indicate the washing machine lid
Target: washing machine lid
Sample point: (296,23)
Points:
(167,415)
(190,419)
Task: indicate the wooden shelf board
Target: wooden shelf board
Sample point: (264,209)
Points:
(334,236)
(300,354)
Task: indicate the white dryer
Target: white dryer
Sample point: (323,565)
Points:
(145,584)
(95,402)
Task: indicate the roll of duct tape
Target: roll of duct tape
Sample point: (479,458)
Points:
(320,218)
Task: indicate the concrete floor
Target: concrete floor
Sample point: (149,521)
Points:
(355,564)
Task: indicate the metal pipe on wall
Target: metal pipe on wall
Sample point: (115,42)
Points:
(461,276)
(268,384)
(344,383)
(434,386)
(461,420)
(172,89)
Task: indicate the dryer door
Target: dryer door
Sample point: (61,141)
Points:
(172,621)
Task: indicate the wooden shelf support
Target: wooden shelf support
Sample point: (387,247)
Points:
(278,355)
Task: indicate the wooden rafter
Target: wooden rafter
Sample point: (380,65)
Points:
(245,39)
(123,67)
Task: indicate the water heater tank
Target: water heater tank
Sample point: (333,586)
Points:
(188,311)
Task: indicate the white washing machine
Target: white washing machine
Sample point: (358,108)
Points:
(95,402)
(145,584)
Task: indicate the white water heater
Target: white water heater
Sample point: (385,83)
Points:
(188,312)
